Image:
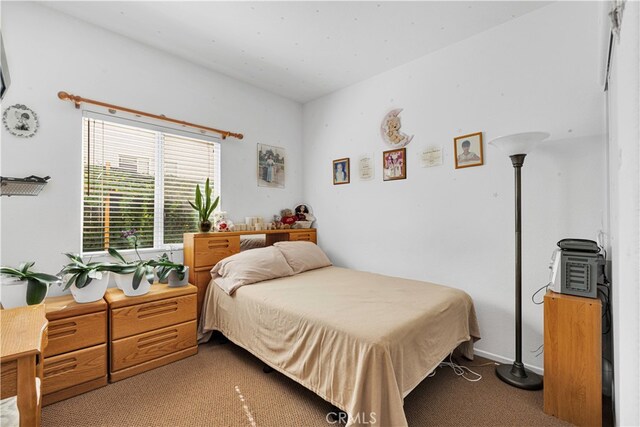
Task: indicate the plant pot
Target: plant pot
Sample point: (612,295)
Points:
(125,283)
(175,281)
(205,226)
(159,280)
(18,293)
(14,292)
(94,291)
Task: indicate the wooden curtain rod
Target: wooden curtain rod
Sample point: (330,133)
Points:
(77,100)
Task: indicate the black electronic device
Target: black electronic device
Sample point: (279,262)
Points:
(575,268)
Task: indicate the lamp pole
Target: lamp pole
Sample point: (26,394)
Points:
(516,375)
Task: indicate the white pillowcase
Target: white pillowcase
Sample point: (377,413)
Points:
(303,256)
(249,267)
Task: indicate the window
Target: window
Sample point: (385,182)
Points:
(141,178)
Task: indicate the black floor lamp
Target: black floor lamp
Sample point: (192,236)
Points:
(517,147)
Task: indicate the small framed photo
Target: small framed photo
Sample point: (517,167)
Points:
(341,171)
(468,150)
(271,162)
(394,164)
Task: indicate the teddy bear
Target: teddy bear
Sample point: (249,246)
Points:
(393,128)
(221,222)
(288,217)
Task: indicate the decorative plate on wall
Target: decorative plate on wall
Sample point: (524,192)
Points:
(20,120)
(390,130)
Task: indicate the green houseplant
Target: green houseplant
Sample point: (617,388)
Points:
(132,277)
(24,285)
(78,275)
(170,272)
(204,207)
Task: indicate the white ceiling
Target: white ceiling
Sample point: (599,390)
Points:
(297,49)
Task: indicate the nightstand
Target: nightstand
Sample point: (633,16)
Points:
(573,358)
(150,330)
(75,358)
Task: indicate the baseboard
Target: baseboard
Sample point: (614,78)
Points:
(500,359)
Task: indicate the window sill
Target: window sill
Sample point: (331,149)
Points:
(145,253)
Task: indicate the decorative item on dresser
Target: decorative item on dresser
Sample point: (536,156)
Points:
(573,358)
(152,330)
(203,250)
(75,359)
(24,335)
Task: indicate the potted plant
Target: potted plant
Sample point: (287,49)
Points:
(78,275)
(132,277)
(204,208)
(23,286)
(170,272)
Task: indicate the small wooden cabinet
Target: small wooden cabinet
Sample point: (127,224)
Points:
(75,358)
(573,359)
(151,330)
(203,250)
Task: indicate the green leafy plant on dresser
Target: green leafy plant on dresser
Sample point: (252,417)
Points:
(23,286)
(170,272)
(88,281)
(204,207)
(132,277)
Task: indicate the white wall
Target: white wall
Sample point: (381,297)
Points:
(624,160)
(456,227)
(48,52)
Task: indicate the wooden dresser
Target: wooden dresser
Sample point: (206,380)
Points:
(23,332)
(573,359)
(203,250)
(75,359)
(150,330)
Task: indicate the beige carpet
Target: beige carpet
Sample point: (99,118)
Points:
(206,390)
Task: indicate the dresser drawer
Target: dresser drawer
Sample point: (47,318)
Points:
(141,348)
(210,250)
(146,317)
(74,368)
(76,332)
(308,236)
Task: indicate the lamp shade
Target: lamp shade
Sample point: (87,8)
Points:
(519,143)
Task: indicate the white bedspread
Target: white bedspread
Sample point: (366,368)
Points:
(361,341)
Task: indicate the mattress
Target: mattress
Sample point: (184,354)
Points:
(361,341)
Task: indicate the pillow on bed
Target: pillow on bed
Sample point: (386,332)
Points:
(303,256)
(250,267)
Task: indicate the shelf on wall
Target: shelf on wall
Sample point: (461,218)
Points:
(29,186)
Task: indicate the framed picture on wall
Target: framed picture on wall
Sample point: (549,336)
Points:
(468,150)
(341,171)
(270,166)
(394,164)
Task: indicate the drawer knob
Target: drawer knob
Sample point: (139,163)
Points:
(158,309)
(218,245)
(60,367)
(62,330)
(165,336)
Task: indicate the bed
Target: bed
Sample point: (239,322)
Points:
(359,340)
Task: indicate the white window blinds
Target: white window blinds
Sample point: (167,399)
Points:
(140,178)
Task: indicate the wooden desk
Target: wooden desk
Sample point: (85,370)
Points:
(203,250)
(23,333)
